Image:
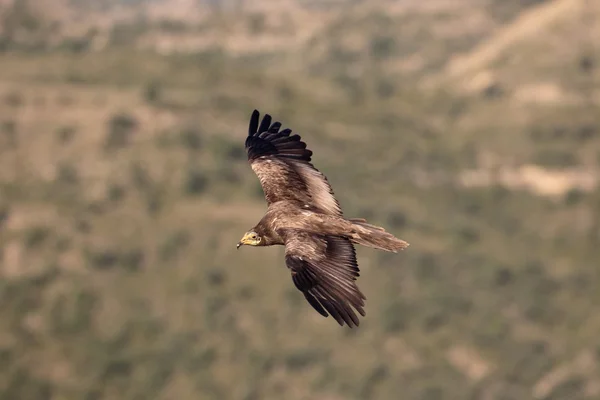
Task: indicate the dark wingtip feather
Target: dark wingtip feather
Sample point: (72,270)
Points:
(253,126)
(315,304)
(265,139)
(264,124)
(275,127)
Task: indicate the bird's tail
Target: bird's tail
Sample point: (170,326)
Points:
(375,236)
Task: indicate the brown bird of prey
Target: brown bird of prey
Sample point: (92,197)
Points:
(304,216)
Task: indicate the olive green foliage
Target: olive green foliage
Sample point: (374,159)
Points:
(124,188)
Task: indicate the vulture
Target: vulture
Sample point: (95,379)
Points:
(304,216)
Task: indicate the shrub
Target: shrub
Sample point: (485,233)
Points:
(65,134)
(152,92)
(195,182)
(120,128)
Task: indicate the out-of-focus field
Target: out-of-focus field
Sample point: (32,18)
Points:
(471,129)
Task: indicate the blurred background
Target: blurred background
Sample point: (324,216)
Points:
(469,128)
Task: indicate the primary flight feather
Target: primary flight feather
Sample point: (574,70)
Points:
(304,216)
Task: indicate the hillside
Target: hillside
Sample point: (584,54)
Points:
(124,188)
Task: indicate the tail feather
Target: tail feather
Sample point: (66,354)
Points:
(375,236)
(363,222)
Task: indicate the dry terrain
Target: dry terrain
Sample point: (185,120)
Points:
(469,128)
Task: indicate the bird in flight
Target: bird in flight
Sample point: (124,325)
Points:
(304,216)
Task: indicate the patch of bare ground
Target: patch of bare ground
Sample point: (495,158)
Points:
(528,24)
(540,180)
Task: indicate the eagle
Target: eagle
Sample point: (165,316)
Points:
(304,216)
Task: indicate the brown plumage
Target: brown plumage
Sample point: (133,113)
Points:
(305,217)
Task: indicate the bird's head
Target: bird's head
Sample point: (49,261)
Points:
(250,238)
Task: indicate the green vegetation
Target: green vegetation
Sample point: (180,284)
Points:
(124,188)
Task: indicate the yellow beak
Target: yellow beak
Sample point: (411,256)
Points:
(244,240)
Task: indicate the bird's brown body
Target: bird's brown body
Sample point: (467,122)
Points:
(284,216)
(304,216)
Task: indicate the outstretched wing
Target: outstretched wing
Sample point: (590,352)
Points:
(324,269)
(282,163)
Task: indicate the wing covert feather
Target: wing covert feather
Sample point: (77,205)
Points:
(283,165)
